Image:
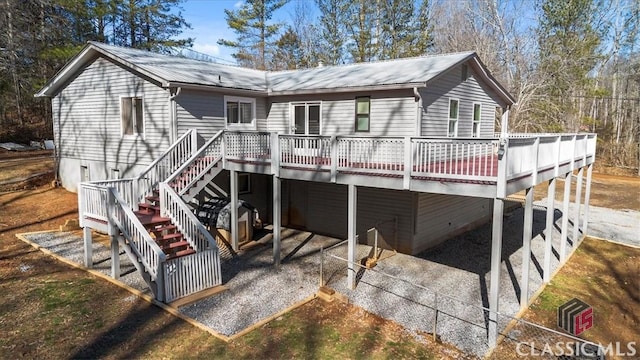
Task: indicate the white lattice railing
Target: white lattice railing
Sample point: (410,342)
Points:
(305,151)
(197,165)
(172,206)
(92,200)
(165,165)
(469,159)
(383,155)
(248,146)
(189,274)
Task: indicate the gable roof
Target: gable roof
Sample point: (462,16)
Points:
(173,71)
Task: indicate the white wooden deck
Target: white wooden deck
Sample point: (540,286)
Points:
(482,167)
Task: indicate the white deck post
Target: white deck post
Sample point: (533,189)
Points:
(496,260)
(88,247)
(504,122)
(576,215)
(277,217)
(115,257)
(234,209)
(548,245)
(587,196)
(113,236)
(565,216)
(526,247)
(351,257)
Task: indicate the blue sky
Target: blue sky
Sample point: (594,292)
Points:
(208,24)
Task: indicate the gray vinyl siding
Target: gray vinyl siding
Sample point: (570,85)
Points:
(435,104)
(393,113)
(204,110)
(87,118)
(200,110)
(439,217)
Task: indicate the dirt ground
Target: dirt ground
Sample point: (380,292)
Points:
(50,310)
(602,274)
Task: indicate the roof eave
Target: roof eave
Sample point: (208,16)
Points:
(495,83)
(345,89)
(232,90)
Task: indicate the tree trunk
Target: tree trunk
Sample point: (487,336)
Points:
(12,61)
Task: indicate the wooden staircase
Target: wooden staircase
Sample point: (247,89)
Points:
(162,229)
(191,180)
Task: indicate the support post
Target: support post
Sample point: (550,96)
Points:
(334,158)
(194,141)
(277,218)
(351,257)
(565,216)
(88,247)
(548,244)
(587,196)
(408,166)
(526,247)
(504,122)
(496,260)
(113,235)
(234,209)
(576,215)
(115,257)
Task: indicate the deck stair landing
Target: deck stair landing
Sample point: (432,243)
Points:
(162,229)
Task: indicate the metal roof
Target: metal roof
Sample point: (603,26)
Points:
(380,73)
(173,71)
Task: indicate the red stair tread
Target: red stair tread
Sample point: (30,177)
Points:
(169,237)
(174,245)
(181,253)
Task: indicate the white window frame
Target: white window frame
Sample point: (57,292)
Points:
(292,115)
(135,135)
(240,126)
(449,118)
(474,121)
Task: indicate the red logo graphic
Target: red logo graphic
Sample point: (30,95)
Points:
(575,316)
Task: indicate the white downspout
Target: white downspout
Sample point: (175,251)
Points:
(416,93)
(173,113)
(504,122)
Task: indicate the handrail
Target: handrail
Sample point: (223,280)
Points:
(208,155)
(141,242)
(172,206)
(125,188)
(166,164)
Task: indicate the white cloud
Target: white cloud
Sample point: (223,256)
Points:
(238,4)
(209,49)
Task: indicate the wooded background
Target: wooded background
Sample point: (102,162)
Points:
(573,65)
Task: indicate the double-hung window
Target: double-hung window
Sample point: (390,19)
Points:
(363,113)
(131,116)
(477,115)
(453,117)
(240,113)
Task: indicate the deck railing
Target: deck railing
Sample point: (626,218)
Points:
(172,206)
(248,146)
(188,173)
(468,159)
(189,274)
(165,165)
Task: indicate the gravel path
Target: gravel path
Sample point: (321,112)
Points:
(458,268)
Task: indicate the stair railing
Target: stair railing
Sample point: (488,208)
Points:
(199,164)
(165,165)
(173,207)
(142,245)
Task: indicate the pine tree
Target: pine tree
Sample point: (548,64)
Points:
(568,43)
(363,29)
(255,33)
(333,20)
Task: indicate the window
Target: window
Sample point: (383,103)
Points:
(306,118)
(131,113)
(453,118)
(363,112)
(244,183)
(477,115)
(240,112)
